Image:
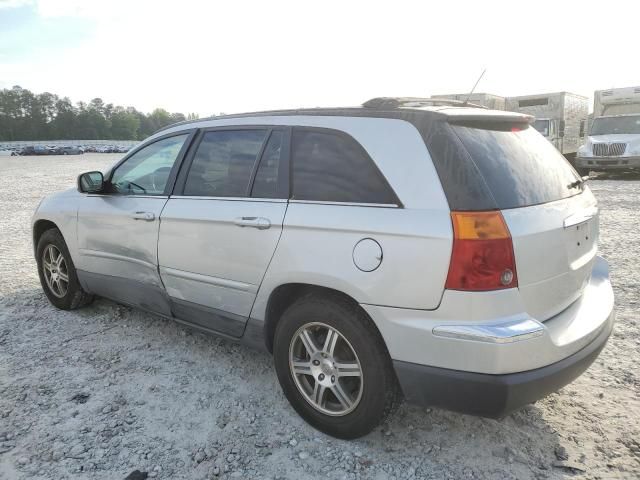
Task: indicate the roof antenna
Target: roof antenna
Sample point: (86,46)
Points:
(464,104)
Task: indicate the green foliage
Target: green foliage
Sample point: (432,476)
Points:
(45,116)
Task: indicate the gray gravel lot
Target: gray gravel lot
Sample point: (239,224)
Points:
(102,391)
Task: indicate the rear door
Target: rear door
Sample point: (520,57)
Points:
(551,215)
(221,227)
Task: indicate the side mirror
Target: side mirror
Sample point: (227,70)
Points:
(91,182)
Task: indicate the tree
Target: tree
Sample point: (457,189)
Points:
(124,124)
(177,117)
(45,116)
(160,118)
(63,125)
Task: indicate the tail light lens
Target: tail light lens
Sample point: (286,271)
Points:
(482,257)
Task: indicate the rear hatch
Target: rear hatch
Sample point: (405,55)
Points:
(505,164)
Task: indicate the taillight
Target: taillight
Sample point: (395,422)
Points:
(482,256)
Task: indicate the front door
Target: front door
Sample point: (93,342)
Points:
(118,230)
(219,232)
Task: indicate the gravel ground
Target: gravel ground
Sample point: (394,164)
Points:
(103,391)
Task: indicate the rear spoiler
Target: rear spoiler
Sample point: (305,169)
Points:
(490,120)
(472,115)
(398,102)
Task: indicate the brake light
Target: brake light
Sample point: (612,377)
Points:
(482,257)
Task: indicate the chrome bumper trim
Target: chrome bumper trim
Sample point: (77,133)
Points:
(504,332)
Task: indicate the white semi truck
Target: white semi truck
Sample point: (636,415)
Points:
(613,142)
(561,117)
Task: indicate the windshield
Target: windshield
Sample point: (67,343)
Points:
(542,126)
(616,125)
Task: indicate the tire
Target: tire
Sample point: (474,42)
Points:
(373,395)
(73,296)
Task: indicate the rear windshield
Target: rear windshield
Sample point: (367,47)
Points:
(520,167)
(501,167)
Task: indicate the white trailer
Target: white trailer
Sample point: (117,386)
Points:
(613,142)
(561,117)
(616,101)
(494,102)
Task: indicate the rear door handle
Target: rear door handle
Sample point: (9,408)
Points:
(260,223)
(146,216)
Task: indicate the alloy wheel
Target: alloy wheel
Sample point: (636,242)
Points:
(326,369)
(56,273)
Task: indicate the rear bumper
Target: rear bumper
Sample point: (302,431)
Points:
(608,163)
(483,354)
(492,333)
(493,395)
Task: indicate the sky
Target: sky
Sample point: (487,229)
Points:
(232,56)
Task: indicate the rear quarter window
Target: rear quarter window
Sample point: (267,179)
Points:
(330,166)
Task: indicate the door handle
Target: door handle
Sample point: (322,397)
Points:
(146,216)
(260,223)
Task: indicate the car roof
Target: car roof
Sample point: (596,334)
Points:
(382,107)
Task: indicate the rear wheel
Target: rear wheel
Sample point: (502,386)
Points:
(58,274)
(333,366)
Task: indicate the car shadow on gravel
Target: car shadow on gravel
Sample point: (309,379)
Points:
(182,389)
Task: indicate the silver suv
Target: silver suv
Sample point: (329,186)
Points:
(407,248)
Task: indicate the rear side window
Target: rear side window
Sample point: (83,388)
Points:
(223,163)
(520,167)
(332,167)
(267,178)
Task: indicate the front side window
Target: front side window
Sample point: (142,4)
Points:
(147,171)
(332,167)
(223,163)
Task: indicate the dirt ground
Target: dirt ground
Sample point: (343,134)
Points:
(100,392)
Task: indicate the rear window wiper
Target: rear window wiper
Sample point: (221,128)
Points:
(578,183)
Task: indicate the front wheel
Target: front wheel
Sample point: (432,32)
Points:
(333,366)
(58,274)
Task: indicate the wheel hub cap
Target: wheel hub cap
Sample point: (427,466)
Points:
(54,268)
(323,368)
(326,369)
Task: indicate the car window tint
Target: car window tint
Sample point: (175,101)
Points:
(519,166)
(147,171)
(265,184)
(223,163)
(333,167)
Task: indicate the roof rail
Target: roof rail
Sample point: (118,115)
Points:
(397,102)
(183,122)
